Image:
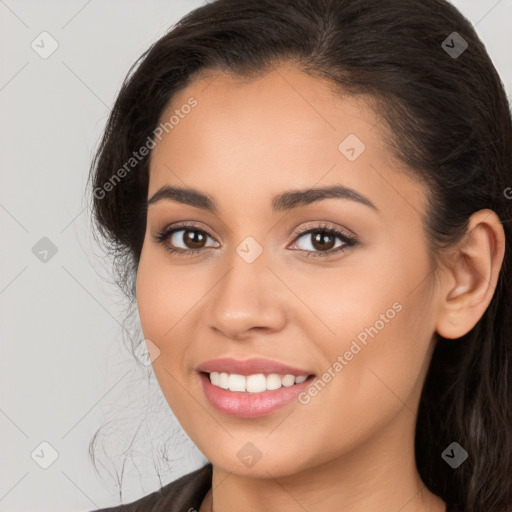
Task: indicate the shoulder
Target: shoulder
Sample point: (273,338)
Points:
(181,495)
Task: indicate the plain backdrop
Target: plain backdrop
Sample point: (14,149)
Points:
(64,369)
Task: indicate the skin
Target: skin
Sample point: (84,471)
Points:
(352,446)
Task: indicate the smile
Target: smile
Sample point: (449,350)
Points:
(237,399)
(255,383)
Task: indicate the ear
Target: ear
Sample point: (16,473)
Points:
(468,286)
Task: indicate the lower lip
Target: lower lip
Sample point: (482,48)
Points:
(251,405)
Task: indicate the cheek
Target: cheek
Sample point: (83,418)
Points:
(163,301)
(383,320)
(164,295)
(169,299)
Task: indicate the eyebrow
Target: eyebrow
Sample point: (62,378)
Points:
(283,202)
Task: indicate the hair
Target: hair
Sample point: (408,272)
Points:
(448,120)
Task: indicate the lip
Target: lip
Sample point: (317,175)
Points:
(251,405)
(250,367)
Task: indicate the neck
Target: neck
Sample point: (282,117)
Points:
(379,475)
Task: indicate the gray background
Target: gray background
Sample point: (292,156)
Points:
(64,367)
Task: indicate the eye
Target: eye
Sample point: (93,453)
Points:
(190,237)
(322,241)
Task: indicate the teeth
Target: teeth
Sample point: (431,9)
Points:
(236,382)
(254,383)
(273,381)
(223,380)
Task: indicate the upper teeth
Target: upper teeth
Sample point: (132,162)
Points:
(254,383)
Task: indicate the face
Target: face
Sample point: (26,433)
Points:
(338,287)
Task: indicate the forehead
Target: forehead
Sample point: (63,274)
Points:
(302,111)
(282,129)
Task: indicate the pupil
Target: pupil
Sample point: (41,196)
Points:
(193,239)
(317,240)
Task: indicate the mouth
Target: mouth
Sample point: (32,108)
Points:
(252,396)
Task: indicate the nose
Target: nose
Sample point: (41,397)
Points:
(248,299)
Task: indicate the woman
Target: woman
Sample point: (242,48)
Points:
(310,200)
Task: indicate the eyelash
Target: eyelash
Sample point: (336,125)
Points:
(348,241)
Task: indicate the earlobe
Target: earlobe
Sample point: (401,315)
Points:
(469,284)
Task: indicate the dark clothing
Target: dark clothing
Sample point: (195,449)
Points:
(182,495)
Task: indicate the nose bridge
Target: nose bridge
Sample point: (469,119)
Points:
(245,296)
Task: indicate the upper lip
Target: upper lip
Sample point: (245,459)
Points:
(250,367)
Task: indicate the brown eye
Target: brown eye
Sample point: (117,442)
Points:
(193,239)
(323,241)
(183,239)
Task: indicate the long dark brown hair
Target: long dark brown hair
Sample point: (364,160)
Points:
(449,121)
